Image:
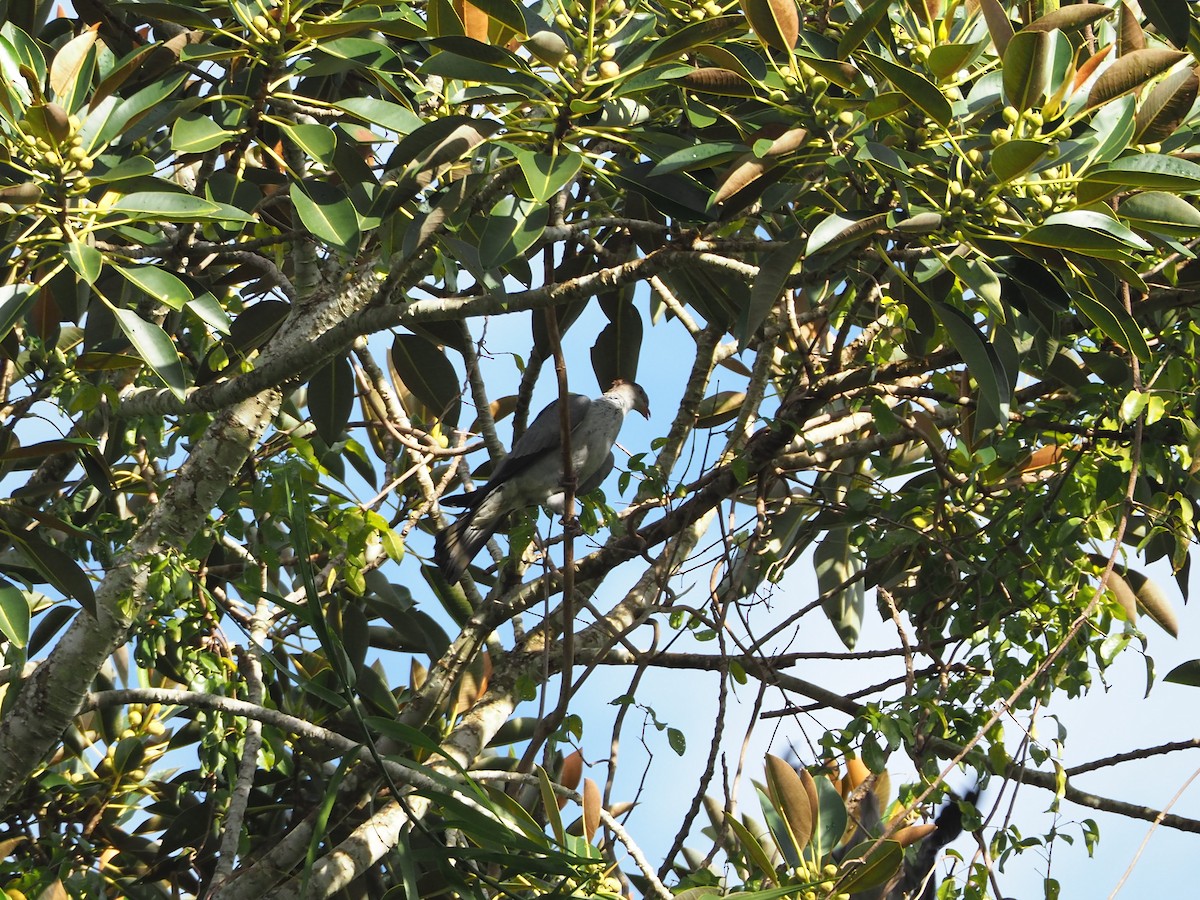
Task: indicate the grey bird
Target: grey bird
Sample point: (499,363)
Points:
(532,473)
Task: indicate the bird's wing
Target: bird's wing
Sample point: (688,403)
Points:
(544,435)
(596,479)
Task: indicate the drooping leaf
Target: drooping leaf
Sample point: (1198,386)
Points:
(72,67)
(429,375)
(60,569)
(719,408)
(1166,106)
(1185,673)
(776,22)
(1025,68)
(15,300)
(919,89)
(1130,35)
(982,362)
(791,800)
(618,347)
(857,31)
(837,562)
(331,398)
(870,867)
(155,348)
(999,25)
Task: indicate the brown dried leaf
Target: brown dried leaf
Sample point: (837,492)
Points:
(591,809)
(791,798)
(776,22)
(1130,35)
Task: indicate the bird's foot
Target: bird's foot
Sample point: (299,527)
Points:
(571,527)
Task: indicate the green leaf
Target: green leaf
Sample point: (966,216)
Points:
(947,59)
(327,213)
(1025,72)
(198,134)
(919,89)
(15,300)
(867,21)
(85,261)
(1185,673)
(1148,170)
(429,375)
(547,174)
(154,347)
(1114,322)
(871,868)
(831,820)
(1085,231)
(982,362)
(618,347)
(767,288)
(752,849)
(111,118)
(59,569)
(158,283)
(1014,158)
(14,615)
(678,742)
(208,310)
(836,562)
(513,226)
(841,227)
(331,398)
(152,206)
(463,68)
(695,34)
(317,141)
(390,116)
(1161,212)
(1170,17)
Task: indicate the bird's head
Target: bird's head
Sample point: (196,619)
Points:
(635,396)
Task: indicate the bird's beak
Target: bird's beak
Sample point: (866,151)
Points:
(645,412)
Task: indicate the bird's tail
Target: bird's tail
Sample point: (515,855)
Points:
(460,542)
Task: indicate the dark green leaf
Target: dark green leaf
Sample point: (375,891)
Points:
(831,820)
(837,562)
(154,205)
(981,360)
(331,398)
(429,375)
(1171,18)
(871,867)
(85,261)
(60,570)
(1185,673)
(857,31)
(919,89)
(317,141)
(1161,212)
(618,346)
(693,35)
(1014,158)
(767,288)
(15,300)
(1025,68)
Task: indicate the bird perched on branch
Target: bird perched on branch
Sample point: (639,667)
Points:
(532,473)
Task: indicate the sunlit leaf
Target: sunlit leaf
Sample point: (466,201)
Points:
(1130,72)
(154,347)
(14,615)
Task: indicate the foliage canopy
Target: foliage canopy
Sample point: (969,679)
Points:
(912,285)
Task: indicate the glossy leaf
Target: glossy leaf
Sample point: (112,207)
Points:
(1162,212)
(14,615)
(15,300)
(512,227)
(919,89)
(198,134)
(327,213)
(870,866)
(1014,158)
(158,283)
(155,205)
(85,261)
(546,175)
(1171,19)
(867,21)
(155,349)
